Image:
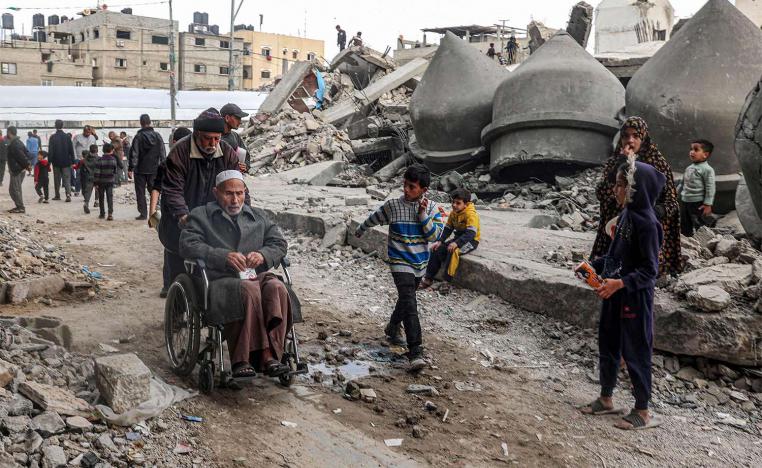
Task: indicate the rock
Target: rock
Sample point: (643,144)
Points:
(726,372)
(7,372)
(731,277)
(572,221)
(15,424)
(105,443)
(78,423)
(429,406)
(356,201)
(368,395)
(53,456)
(352,390)
(709,298)
(18,406)
(59,400)
(703,235)
(728,248)
(756,385)
(672,364)
(419,432)
(32,442)
(418,389)
(90,460)
(337,235)
(123,380)
(739,397)
(756,271)
(48,424)
(689,374)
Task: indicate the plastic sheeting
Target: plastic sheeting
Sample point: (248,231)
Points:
(163,395)
(38,103)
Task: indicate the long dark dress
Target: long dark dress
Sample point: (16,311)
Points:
(668,208)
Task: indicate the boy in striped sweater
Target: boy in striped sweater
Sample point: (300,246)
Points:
(104,177)
(413,221)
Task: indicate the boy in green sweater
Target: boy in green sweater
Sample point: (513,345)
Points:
(697,188)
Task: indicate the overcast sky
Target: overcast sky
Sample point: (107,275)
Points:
(381,21)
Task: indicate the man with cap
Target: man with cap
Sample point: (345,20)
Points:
(239,245)
(232,114)
(146,153)
(188,180)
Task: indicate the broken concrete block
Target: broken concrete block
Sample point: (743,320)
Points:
(731,277)
(51,398)
(356,201)
(337,235)
(15,424)
(24,290)
(729,248)
(703,235)
(709,298)
(285,88)
(7,372)
(47,424)
(580,23)
(123,380)
(376,193)
(53,456)
(78,423)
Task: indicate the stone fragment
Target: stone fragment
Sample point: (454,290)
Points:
(689,374)
(337,235)
(48,423)
(123,380)
(703,235)
(418,389)
(709,298)
(57,399)
(7,372)
(104,442)
(53,456)
(15,424)
(731,277)
(18,406)
(729,248)
(78,423)
(356,201)
(32,441)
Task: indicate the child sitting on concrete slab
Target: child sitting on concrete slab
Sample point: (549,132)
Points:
(464,223)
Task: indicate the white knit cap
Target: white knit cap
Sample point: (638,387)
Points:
(227,175)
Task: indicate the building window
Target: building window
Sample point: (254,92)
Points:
(224,44)
(81,37)
(47,83)
(311,56)
(163,40)
(199,68)
(122,34)
(120,63)
(164,66)
(265,74)
(8,68)
(285,51)
(295,54)
(247,48)
(224,71)
(266,51)
(246,72)
(96,33)
(200,41)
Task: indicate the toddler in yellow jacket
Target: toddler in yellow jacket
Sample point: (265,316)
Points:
(464,223)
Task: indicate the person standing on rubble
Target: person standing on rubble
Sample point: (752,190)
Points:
(356,40)
(635,140)
(61,157)
(146,153)
(341,38)
(512,48)
(18,165)
(232,114)
(491,51)
(188,180)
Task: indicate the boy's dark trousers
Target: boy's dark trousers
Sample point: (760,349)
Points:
(628,333)
(87,185)
(107,191)
(41,187)
(442,256)
(406,309)
(691,217)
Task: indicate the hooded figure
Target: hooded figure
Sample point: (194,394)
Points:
(634,138)
(630,268)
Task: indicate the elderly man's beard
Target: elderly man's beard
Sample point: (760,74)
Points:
(233,209)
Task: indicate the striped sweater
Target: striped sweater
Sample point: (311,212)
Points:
(105,170)
(409,233)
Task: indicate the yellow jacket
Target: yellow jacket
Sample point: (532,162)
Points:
(466,220)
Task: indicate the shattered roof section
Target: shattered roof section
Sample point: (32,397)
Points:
(461,31)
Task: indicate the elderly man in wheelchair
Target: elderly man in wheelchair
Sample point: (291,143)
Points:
(229,249)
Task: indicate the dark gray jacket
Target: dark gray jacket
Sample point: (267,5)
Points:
(211,234)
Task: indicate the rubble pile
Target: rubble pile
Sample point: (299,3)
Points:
(721,272)
(46,413)
(23,255)
(290,139)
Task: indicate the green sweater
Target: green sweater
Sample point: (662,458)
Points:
(698,184)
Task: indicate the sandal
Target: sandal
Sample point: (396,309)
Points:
(635,422)
(596,408)
(243,370)
(425,283)
(274,368)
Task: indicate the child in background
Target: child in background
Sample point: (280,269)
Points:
(464,222)
(629,271)
(86,167)
(105,176)
(697,188)
(413,221)
(41,176)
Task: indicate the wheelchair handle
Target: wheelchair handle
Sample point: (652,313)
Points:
(285,262)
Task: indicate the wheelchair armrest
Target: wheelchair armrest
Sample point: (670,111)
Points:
(285,262)
(191,266)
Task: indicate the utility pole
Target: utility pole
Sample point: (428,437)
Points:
(172,78)
(233,14)
(502,35)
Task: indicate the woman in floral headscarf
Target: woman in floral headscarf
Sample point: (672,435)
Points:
(634,138)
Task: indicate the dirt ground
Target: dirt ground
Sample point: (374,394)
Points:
(525,399)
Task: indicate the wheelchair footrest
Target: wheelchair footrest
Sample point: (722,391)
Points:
(301,368)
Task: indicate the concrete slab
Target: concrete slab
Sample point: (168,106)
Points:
(313,174)
(288,84)
(375,90)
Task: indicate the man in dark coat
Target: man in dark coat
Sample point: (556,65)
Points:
(189,178)
(18,164)
(341,38)
(146,153)
(61,157)
(3,157)
(232,114)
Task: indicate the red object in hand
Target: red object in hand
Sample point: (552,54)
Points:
(586,273)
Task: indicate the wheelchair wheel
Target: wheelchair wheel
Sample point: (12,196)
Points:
(288,359)
(182,325)
(206,377)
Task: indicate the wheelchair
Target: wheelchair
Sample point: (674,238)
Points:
(185,314)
